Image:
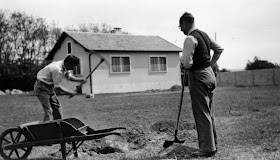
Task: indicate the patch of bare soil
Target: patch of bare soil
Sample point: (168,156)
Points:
(169,126)
(134,143)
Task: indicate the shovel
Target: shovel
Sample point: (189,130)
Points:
(79,87)
(167,143)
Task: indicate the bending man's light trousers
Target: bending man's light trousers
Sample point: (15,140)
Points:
(49,101)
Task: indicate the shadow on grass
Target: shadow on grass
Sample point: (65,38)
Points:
(45,158)
(178,152)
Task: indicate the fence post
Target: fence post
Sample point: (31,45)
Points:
(253,77)
(274,81)
(235,79)
(219,77)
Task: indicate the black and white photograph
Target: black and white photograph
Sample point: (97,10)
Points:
(139,80)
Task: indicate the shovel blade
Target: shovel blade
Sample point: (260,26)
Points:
(167,144)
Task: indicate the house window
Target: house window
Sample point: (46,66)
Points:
(69,48)
(78,69)
(158,64)
(120,64)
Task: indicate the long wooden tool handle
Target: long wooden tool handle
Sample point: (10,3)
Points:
(102,60)
(80,85)
(180,105)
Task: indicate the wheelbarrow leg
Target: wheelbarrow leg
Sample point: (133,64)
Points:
(75,149)
(63,150)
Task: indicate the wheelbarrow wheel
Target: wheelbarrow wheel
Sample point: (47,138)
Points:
(10,137)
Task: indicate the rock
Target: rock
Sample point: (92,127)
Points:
(90,96)
(7,91)
(16,91)
(2,93)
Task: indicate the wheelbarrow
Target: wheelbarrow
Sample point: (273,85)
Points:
(17,143)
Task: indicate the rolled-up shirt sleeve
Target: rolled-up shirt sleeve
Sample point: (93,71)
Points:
(216,47)
(188,51)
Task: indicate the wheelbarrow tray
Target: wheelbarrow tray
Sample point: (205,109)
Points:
(70,130)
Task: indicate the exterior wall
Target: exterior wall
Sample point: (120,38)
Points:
(139,78)
(277,76)
(226,79)
(260,77)
(263,77)
(78,51)
(244,78)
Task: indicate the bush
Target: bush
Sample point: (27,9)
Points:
(18,76)
(260,64)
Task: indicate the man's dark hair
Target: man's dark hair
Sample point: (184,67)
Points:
(72,59)
(187,18)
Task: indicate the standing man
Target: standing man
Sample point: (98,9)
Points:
(50,77)
(196,59)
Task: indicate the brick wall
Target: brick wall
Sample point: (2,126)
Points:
(260,77)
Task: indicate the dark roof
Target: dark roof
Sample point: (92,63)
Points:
(116,42)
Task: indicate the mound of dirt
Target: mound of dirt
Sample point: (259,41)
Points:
(133,142)
(135,137)
(175,88)
(130,140)
(106,150)
(169,126)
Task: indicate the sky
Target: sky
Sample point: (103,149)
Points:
(244,28)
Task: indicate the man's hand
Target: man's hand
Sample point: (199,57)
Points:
(78,88)
(83,81)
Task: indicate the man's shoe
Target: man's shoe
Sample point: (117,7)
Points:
(203,154)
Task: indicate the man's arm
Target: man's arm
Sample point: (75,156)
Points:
(57,79)
(71,77)
(217,51)
(214,59)
(188,51)
(66,90)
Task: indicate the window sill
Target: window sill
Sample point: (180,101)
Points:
(119,72)
(157,71)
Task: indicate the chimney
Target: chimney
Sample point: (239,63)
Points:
(116,30)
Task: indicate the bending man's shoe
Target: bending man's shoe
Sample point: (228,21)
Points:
(203,154)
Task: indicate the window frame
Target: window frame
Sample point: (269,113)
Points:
(121,64)
(81,68)
(67,47)
(158,71)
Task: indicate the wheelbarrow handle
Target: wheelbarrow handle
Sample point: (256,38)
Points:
(91,131)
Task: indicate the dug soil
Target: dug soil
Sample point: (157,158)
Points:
(134,143)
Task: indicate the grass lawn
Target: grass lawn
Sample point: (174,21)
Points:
(247,121)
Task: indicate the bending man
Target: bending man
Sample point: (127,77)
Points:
(50,77)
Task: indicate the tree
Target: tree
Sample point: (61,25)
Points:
(29,36)
(54,34)
(24,38)
(24,43)
(224,70)
(260,64)
(5,46)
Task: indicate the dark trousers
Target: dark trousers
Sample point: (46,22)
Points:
(201,85)
(48,100)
